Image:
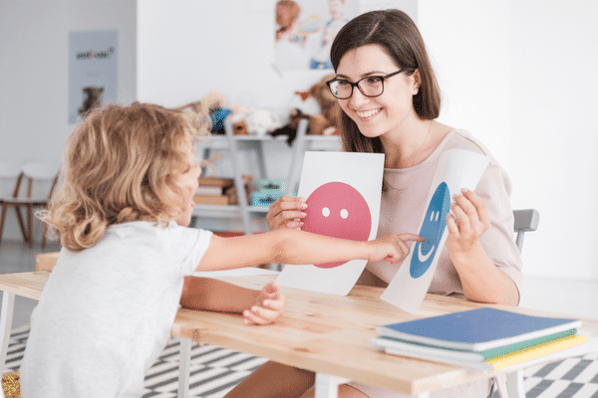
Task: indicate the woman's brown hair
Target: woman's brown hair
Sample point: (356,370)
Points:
(120,165)
(398,35)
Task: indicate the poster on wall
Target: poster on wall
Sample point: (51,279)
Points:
(343,192)
(93,71)
(457,169)
(305,29)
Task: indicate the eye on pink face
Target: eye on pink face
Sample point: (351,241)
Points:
(338,210)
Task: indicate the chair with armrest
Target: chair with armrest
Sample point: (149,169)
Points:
(526,220)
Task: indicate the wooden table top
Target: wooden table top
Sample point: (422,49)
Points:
(320,332)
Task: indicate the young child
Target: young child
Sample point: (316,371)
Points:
(126,193)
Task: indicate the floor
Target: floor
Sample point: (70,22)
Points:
(216,370)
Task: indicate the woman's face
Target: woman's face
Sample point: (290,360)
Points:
(391,110)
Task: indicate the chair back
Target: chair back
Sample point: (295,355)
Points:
(9,177)
(39,181)
(526,220)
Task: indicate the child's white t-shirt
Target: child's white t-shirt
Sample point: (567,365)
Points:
(105,313)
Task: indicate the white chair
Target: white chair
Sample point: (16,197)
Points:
(526,220)
(33,189)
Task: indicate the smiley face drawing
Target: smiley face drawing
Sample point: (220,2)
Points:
(337,210)
(432,229)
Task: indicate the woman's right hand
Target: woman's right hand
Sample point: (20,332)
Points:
(286,212)
(391,248)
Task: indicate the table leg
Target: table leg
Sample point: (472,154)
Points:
(184,367)
(327,386)
(513,386)
(8,306)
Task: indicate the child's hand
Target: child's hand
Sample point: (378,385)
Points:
(468,224)
(269,305)
(392,248)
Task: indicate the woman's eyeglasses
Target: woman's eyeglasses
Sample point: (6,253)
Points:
(370,86)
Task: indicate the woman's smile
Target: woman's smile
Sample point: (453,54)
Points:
(366,115)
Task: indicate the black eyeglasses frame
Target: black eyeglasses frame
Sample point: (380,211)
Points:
(356,84)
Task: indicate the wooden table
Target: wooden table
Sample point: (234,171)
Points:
(322,333)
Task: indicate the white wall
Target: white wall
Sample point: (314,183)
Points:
(555,133)
(521,75)
(34,73)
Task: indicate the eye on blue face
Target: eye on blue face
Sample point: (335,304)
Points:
(432,229)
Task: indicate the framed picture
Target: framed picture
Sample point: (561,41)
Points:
(93,71)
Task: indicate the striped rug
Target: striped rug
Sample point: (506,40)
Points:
(215,370)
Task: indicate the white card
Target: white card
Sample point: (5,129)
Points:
(457,169)
(343,192)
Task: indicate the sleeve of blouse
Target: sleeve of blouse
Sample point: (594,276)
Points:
(499,241)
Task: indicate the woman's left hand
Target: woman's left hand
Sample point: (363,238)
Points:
(467,223)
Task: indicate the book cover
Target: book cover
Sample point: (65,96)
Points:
(479,356)
(501,361)
(478,329)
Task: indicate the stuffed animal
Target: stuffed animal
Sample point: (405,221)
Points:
(213,104)
(324,123)
(93,99)
(262,121)
(290,129)
(327,121)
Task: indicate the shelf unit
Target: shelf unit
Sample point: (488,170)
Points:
(231,143)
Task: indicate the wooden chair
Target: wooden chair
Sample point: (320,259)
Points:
(33,189)
(526,220)
(10,180)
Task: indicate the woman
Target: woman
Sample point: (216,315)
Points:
(387,90)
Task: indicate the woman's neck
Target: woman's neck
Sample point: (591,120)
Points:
(403,148)
(413,144)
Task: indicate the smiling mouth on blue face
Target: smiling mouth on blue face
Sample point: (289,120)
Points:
(431,230)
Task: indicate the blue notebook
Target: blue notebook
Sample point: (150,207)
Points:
(477,330)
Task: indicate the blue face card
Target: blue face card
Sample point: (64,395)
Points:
(431,229)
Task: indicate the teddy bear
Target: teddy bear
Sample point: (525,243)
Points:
(327,122)
(324,123)
(93,99)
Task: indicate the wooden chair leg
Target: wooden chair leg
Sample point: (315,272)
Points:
(44,232)
(21,224)
(30,223)
(2,217)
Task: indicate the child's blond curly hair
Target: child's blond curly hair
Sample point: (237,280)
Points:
(120,165)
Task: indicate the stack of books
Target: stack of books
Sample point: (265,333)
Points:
(485,339)
(213,191)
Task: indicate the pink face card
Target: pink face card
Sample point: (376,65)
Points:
(343,192)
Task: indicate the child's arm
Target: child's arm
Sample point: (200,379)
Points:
(258,307)
(288,246)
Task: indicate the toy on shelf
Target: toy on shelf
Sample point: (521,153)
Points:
(213,104)
(262,121)
(326,122)
(268,191)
